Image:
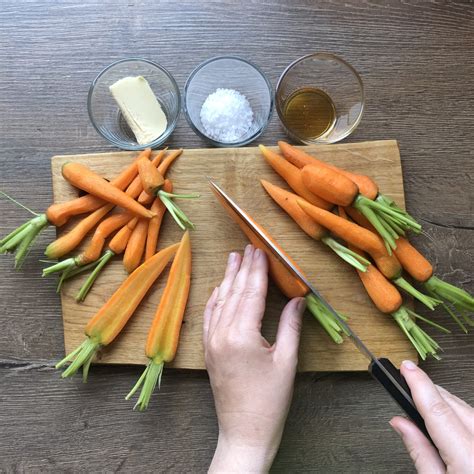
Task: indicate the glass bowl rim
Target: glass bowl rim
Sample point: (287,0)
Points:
(198,132)
(324,55)
(119,143)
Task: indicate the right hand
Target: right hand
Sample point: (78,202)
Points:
(449,421)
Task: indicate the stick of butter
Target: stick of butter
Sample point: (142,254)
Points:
(140,108)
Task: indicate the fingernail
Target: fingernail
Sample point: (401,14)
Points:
(396,429)
(248,249)
(232,257)
(408,364)
(257,254)
(301,305)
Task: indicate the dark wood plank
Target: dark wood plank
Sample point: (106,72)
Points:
(416,62)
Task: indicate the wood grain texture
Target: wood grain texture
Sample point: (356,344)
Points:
(238,170)
(416,61)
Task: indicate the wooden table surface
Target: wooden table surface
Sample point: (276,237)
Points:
(416,60)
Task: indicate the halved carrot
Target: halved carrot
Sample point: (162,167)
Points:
(329,184)
(155,222)
(293,177)
(163,337)
(136,246)
(73,238)
(107,323)
(84,178)
(299,158)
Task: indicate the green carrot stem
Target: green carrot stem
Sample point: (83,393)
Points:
(18,203)
(427,321)
(60,266)
(100,263)
(351,257)
(450,293)
(82,356)
(421,341)
(327,320)
(178,215)
(14,233)
(428,301)
(178,196)
(150,377)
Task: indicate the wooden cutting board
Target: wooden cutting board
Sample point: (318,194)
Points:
(238,171)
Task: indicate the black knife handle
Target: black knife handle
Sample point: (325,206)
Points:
(405,400)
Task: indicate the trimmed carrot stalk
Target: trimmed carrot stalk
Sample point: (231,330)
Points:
(109,321)
(367,186)
(287,201)
(72,239)
(293,177)
(155,222)
(329,184)
(152,180)
(59,214)
(83,178)
(288,284)
(116,246)
(144,197)
(135,246)
(163,337)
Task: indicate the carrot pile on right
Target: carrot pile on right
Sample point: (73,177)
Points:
(378,233)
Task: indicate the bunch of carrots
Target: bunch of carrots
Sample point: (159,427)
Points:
(376,244)
(132,206)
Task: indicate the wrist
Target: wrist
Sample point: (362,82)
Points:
(234,455)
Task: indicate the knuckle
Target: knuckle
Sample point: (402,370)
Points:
(439,408)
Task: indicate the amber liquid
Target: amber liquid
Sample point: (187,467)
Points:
(309,113)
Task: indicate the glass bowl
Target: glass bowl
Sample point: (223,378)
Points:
(228,72)
(105,113)
(339,104)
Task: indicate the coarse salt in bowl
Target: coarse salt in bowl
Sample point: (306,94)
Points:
(228,101)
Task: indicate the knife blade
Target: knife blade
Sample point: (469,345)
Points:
(382,368)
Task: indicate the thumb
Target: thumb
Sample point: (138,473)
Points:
(289,329)
(422,452)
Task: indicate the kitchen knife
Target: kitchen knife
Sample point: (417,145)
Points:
(380,368)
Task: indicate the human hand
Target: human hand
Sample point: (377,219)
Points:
(252,381)
(449,421)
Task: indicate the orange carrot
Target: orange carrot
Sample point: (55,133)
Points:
(83,178)
(287,201)
(350,232)
(135,246)
(288,284)
(106,325)
(59,214)
(155,222)
(367,187)
(72,239)
(144,197)
(135,187)
(329,184)
(118,244)
(163,337)
(150,177)
(293,177)
(412,260)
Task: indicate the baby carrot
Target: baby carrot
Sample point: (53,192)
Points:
(292,175)
(299,158)
(107,323)
(72,239)
(155,222)
(83,178)
(287,201)
(135,246)
(152,180)
(163,337)
(59,214)
(144,197)
(329,184)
